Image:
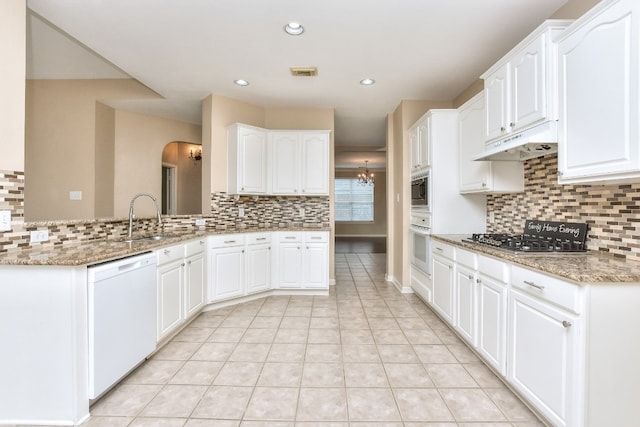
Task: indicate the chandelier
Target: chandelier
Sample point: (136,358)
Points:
(366,177)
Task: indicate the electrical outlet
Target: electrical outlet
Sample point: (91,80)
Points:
(75,195)
(200,222)
(492,217)
(240,212)
(5,220)
(38,236)
(301,212)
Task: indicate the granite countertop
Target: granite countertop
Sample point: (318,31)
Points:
(589,267)
(95,251)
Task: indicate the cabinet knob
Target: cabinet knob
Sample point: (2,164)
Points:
(478,281)
(566,323)
(166,252)
(512,124)
(243,251)
(188,262)
(201,242)
(182,264)
(484,184)
(502,129)
(560,173)
(470,277)
(242,188)
(307,247)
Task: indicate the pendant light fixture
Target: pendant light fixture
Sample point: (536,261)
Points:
(366,177)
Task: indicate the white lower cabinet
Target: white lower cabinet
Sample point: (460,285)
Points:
(194,276)
(226,266)
(302,260)
(443,287)
(170,289)
(258,262)
(465,296)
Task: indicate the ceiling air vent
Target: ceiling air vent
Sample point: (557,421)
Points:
(304,71)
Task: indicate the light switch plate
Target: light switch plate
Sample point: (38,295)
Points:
(5,220)
(200,222)
(301,212)
(240,212)
(75,195)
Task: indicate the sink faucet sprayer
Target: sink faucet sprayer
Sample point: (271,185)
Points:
(131,215)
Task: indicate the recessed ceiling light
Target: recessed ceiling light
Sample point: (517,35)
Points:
(367,82)
(294,29)
(241,82)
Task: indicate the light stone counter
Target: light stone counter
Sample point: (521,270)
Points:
(95,251)
(590,267)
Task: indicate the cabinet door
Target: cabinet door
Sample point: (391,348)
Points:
(252,161)
(528,85)
(289,265)
(285,171)
(315,163)
(227,273)
(542,357)
(414,140)
(170,294)
(194,284)
(424,142)
(443,292)
(316,265)
(598,127)
(474,175)
(465,299)
(496,103)
(258,268)
(492,318)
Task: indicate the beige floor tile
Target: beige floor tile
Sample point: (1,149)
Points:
(407,375)
(155,372)
(259,336)
(322,404)
(372,404)
(291,322)
(205,320)
(272,403)
(356,336)
(261,322)
(298,311)
(223,402)
(249,352)
(389,336)
(322,424)
(422,336)
(197,373)
(351,322)
(422,404)
(510,405)
(287,353)
(174,401)
(391,353)
(469,405)
(291,336)
(228,335)
(462,353)
(125,400)
(365,375)
(483,375)
(239,374)
(375,424)
(383,323)
(237,322)
(194,334)
(251,423)
(360,353)
(177,351)
(434,353)
(450,375)
(324,336)
(97,421)
(409,323)
(214,352)
(280,375)
(323,353)
(323,375)
(447,336)
(324,322)
(203,422)
(160,422)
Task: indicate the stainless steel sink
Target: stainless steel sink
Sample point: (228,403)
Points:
(154,238)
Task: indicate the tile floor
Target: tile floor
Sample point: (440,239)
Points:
(364,356)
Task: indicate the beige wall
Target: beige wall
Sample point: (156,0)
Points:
(139,141)
(574,9)
(104,160)
(12,72)
(379,225)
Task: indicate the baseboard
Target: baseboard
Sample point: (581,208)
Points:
(399,286)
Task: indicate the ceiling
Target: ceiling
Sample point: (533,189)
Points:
(186,50)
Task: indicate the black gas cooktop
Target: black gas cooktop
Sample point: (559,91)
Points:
(538,236)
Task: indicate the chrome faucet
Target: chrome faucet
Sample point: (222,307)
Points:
(131,215)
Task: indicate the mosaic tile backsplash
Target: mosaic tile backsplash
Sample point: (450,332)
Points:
(611,211)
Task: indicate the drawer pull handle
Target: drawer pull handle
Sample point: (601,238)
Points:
(316,237)
(290,237)
(202,242)
(167,252)
(566,324)
(439,249)
(261,238)
(229,241)
(533,285)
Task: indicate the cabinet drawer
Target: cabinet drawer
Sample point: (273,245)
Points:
(422,219)
(555,291)
(316,237)
(170,253)
(466,258)
(225,240)
(443,249)
(493,268)
(294,236)
(258,238)
(194,247)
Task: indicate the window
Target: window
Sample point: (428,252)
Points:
(353,201)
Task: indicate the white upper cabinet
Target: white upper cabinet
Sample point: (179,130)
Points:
(247,160)
(300,162)
(482,176)
(520,89)
(599,103)
(420,147)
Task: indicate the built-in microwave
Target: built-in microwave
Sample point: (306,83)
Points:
(420,190)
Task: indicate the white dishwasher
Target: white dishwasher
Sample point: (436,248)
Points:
(122,318)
